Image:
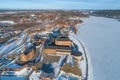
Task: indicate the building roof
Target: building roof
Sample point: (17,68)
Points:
(29,48)
(77,53)
(58,47)
(63,39)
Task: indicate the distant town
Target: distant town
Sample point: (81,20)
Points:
(39,45)
(42,45)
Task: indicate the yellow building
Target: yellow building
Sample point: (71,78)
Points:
(63,42)
(27,56)
(57,50)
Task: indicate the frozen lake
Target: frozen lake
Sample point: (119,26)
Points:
(102,38)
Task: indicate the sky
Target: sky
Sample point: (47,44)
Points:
(59,4)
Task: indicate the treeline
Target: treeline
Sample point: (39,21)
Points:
(73,14)
(107,13)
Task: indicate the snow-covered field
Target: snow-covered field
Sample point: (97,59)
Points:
(8,22)
(102,38)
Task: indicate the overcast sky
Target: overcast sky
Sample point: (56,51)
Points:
(60,4)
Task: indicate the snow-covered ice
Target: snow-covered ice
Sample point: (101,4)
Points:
(101,36)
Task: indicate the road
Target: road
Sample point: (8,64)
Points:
(16,47)
(13,48)
(86,58)
(27,77)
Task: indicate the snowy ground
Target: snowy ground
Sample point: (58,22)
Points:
(12,77)
(22,72)
(102,38)
(8,22)
(82,64)
(35,76)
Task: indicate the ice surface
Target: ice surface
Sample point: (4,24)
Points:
(102,38)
